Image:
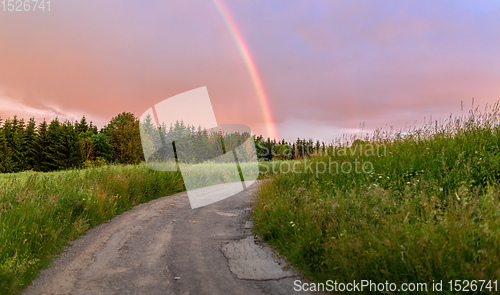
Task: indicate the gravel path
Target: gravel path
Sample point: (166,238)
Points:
(165,247)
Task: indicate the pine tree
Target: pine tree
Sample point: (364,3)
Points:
(82,126)
(102,147)
(93,128)
(5,154)
(14,135)
(42,143)
(150,138)
(70,146)
(30,139)
(54,158)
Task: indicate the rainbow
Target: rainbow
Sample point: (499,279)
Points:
(250,65)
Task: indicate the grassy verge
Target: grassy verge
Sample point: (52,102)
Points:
(40,212)
(23,176)
(426,208)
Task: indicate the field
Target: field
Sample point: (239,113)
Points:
(404,207)
(423,206)
(40,212)
(23,176)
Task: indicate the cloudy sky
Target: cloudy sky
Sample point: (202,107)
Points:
(326,66)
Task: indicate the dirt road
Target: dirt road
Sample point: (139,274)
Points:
(165,247)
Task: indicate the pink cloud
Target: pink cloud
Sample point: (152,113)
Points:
(333,63)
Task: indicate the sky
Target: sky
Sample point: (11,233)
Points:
(326,68)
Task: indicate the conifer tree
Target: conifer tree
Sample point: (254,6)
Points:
(102,148)
(93,128)
(42,143)
(52,153)
(31,142)
(82,126)
(151,138)
(14,135)
(5,154)
(70,146)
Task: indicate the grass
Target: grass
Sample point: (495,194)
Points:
(40,212)
(23,176)
(425,208)
(207,174)
(413,206)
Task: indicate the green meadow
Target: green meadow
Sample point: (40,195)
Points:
(412,206)
(425,208)
(41,212)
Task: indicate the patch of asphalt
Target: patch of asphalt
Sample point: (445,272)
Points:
(250,260)
(165,247)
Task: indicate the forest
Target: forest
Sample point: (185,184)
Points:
(55,145)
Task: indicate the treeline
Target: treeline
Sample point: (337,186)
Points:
(268,149)
(56,145)
(195,145)
(189,144)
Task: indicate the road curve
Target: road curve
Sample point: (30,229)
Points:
(165,247)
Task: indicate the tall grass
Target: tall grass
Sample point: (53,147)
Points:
(41,212)
(428,210)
